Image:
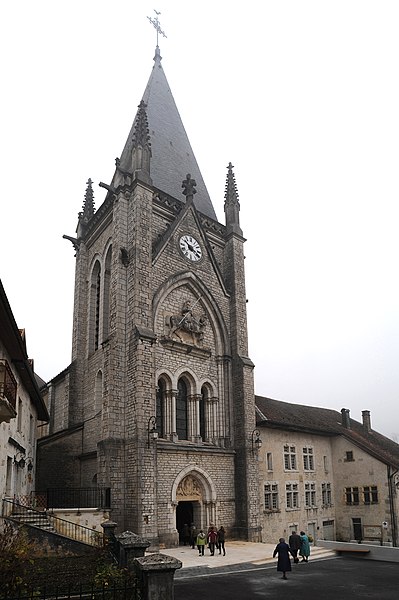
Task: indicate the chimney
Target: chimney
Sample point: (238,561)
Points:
(366,420)
(346,422)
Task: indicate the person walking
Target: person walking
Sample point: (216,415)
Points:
(221,540)
(212,539)
(294,542)
(201,539)
(283,560)
(186,534)
(305,547)
(193,535)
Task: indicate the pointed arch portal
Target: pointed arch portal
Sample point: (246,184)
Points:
(194,496)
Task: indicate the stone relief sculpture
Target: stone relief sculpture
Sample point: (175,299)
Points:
(188,327)
(188,488)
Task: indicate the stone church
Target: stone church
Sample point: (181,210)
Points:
(158,402)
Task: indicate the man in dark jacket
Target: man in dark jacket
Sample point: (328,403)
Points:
(294,542)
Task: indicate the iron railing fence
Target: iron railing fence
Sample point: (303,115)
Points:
(44,519)
(74,592)
(67,498)
(78,498)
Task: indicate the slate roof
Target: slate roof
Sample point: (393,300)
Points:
(324,421)
(172,156)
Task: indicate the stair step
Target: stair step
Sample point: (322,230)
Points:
(41,520)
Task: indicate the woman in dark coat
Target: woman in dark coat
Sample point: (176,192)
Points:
(283,560)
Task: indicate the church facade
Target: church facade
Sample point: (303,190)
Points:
(158,402)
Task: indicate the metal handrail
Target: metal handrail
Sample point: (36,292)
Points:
(63,527)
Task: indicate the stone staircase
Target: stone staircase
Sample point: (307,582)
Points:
(33,518)
(51,524)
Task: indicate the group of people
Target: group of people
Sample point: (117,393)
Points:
(297,544)
(214,539)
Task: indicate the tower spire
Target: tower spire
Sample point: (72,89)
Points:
(231,202)
(141,151)
(87,208)
(171,154)
(88,204)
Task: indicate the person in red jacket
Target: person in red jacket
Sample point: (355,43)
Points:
(212,539)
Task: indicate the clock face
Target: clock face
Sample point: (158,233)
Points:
(190,247)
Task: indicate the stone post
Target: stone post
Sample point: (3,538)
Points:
(109,530)
(131,546)
(109,536)
(156,573)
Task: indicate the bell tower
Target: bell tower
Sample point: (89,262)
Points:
(158,403)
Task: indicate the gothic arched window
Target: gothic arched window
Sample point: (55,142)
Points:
(106,295)
(160,407)
(181,410)
(94,307)
(202,412)
(98,392)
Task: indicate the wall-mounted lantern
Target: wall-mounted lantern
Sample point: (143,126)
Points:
(19,460)
(152,433)
(256,441)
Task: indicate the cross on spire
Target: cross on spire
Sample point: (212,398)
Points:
(155,22)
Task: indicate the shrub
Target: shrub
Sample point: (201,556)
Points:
(16,559)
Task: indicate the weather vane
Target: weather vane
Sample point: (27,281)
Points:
(155,22)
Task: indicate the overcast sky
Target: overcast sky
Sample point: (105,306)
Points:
(301,96)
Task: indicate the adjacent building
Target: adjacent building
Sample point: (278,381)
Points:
(21,408)
(326,473)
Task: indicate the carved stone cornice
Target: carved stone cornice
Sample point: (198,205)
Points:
(182,348)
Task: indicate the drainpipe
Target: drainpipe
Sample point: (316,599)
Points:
(392,492)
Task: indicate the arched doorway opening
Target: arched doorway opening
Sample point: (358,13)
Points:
(193,499)
(184,518)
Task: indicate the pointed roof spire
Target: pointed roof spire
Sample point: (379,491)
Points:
(87,209)
(88,204)
(171,154)
(231,202)
(141,146)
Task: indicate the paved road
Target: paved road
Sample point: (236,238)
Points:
(332,578)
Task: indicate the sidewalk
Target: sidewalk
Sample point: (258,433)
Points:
(241,554)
